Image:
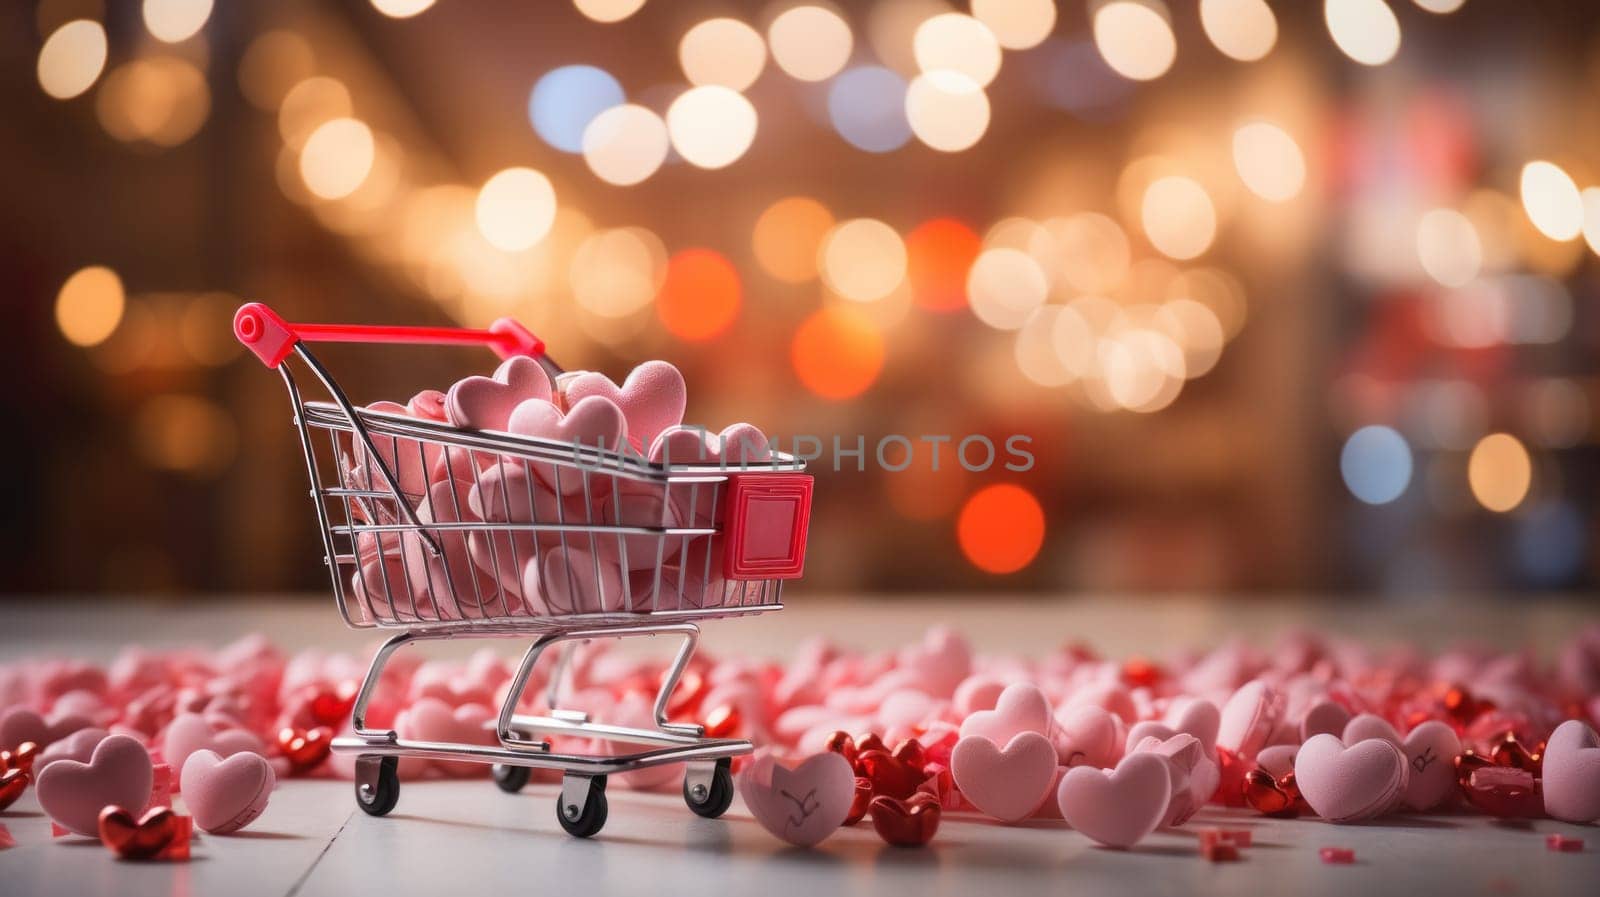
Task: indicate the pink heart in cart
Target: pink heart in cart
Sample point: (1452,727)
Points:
(190,732)
(1249,718)
(1021,707)
(505,494)
(378,583)
(20,724)
(1431,750)
(802,805)
(449,585)
(1349,784)
(428,405)
(580,578)
(738,444)
(646,504)
(652,398)
(1572,773)
(1197,717)
(225,795)
(1185,757)
(78,746)
(1007,784)
(408,459)
(593,422)
(1086,735)
(431,719)
(1323,716)
(73,793)
(486,403)
(1117,807)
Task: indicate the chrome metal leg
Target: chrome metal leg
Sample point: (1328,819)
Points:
(358,713)
(691,638)
(519,684)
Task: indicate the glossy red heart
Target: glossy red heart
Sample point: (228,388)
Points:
(860,801)
(841,743)
(137,839)
(332,707)
(21,758)
(1264,795)
(891,775)
(906,823)
(723,722)
(305,750)
(1231,771)
(12,784)
(1506,792)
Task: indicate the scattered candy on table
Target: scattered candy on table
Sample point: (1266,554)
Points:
(1562,844)
(1338,856)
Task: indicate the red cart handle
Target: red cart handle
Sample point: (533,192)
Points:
(272,338)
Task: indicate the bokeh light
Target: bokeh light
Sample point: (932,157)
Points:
(1217,290)
(616,272)
(1017,24)
(1448,247)
(183,433)
(1365,30)
(567,99)
(1591,218)
(402,9)
(701,295)
(1376,464)
(1178,217)
(1135,38)
(273,63)
(1244,30)
(515,209)
(72,58)
(947,110)
(722,51)
(863,259)
(1197,331)
(1440,6)
(1035,348)
(160,99)
(837,352)
(1269,162)
(788,236)
(810,43)
(625,144)
(337,157)
(1092,251)
(175,20)
(89,306)
(608,11)
(1001,528)
(1004,286)
(939,253)
(1552,200)
(310,103)
(958,43)
(711,126)
(1499,472)
(867,106)
(1141,369)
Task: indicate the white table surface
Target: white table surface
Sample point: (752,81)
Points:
(465,837)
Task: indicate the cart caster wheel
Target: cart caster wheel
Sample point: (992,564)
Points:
(510,779)
(377,784)
(581,822)
(713,799)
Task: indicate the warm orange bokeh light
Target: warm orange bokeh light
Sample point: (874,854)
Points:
(1001,528)
(940,252)
(921,493)
(837,353)
(788,235)
(701,295)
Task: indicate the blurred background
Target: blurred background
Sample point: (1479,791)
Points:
(1286,295)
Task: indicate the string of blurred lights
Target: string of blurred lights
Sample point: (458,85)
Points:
(1116,307)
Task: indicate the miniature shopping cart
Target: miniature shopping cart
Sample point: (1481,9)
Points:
(722,544)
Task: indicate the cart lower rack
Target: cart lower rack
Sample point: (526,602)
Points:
(439,532)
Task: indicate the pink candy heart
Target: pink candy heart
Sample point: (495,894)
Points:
(735,445)
(409,460)
(1021,707)
(73,793)
(1185,758)
(21,724)
(802,805)
(652,398)
(1368,725)
(190,732)
(1350,784)
(1323,716)
(226,795)
(430,719)
(1009,783)
(1086,735)
(78,746)
(486,403)
(1117,807)
(1197,717)
(1249,718)
(450,584)
(1431,749)
(1572,773)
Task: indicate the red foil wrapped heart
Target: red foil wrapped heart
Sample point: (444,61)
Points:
(891,774)
(1279,797)
(305,750)
(723,722)
(331,707)
(19,759)
(842,744)
(1231,771)
(906,823)
(1506,792)
(859,800)
(12,783)
(138,839)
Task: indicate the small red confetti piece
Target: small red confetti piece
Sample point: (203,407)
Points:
(1223,851)
(6,839)
(1338,856)
(1239,836)
(1210,836)
(57,831)
(1563,844)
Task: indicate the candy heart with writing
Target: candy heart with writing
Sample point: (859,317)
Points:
(1572,773)
(72,793)
(652,398)
(486,403)
(190,732)
(801,805)
(1117,807)
(225,795)
(137,839)
(1350,784)
(1021,707)
(911,822)
(1007,783)
(1086,735)
(1431,750)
